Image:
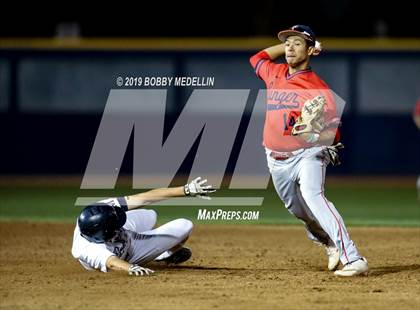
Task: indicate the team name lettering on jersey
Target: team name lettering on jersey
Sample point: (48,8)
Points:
(283,97)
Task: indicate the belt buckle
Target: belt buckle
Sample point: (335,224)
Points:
(280,155)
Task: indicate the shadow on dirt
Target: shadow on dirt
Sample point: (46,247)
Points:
(157,266)
(375,271)
(382,270)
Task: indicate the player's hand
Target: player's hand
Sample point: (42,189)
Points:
(318,48)
(332,152)
(310,137)
(136,270)
(198,188)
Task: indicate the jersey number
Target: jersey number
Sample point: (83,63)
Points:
(289,120)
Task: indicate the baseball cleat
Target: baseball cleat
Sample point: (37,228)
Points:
(358,267)
(333,257)
(180,256)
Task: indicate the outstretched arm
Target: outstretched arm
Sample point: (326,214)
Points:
(154,195)
(196,187)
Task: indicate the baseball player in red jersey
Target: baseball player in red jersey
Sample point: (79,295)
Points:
(297,162)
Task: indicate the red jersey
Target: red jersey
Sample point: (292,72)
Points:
(286,94)
(416,111)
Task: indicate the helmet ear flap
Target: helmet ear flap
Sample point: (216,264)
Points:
(121,217)
(116,220)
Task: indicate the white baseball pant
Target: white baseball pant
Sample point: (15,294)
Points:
(155,243)
(299,182)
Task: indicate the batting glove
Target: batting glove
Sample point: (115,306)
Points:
(198,188)
(332,152)
(136,270)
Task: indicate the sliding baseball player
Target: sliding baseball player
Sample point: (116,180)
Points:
(113,234)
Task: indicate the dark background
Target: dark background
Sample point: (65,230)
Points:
(47,142)
(342,18)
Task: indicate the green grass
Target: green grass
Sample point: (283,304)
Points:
(358,205)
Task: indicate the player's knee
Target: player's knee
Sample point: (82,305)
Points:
(183,227)
(152,215)
(186,225)
(309,194)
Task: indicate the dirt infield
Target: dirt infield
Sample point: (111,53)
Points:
(233,267)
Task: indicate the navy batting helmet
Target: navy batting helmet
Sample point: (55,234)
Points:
(99,222)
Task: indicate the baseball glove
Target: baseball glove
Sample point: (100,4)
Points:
(311,119)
